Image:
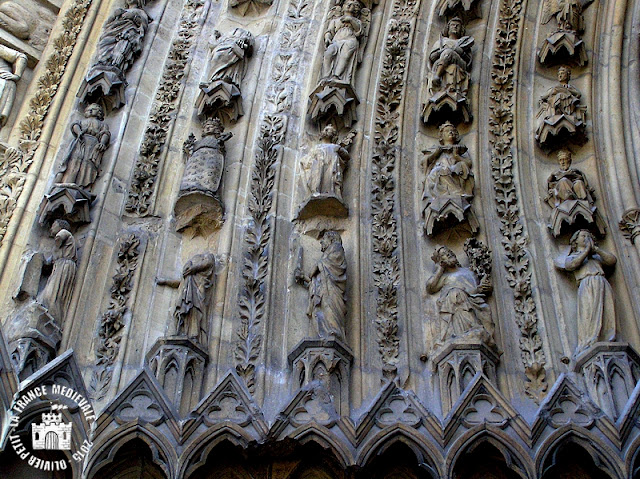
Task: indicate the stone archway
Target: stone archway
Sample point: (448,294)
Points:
(132,461)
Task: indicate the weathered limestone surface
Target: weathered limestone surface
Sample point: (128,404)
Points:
(322,239)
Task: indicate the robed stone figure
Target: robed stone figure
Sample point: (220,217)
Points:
(327,285)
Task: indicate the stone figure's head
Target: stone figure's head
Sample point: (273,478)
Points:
(93,110)
(565,158)
(328,238)
(329,134)
(244,40)
(212,127)
(581,239)
(353,7)
(444,256)
(455,28)
(449,134)
(57,226)
(564,74)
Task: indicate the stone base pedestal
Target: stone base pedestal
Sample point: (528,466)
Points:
(179,364)
(33,336)
(68,202)
(443,213)
(325,360)
(333,102)
(220,98)
(610,371)
(457,363)
(561,130)
(579,213)
(562,48)
(201,212)
(104,85)
(322,205)
(446,106)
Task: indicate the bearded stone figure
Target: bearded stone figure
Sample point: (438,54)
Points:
(81,165)
(561,116)
(327,285)
(222,94)
(120,44)
(450,62)
(12,66)
(570,196)
(596,316)
(449,182)
(190,314)
(323,176)
(463,311)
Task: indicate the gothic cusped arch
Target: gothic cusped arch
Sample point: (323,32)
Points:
(315,433)
(603,456)
(197,452)
(516,459)
(105,449)
(424,450)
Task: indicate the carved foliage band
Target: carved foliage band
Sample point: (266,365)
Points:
(514,240)
(253,289)
(145,172)
(386,266)
(111,322)
(16,164)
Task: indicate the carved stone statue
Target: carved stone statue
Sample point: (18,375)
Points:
(450,61)
(81,165)
(449,182)
(327,285)
(58,290)
(565,43)
(596,318)
(344,40)
(12,66)
(35,329)
(120,44)
(571,197)
(198,205)
(221,95)
(322,177)
(463,311)
(17,20)
(561,116)
(191,311)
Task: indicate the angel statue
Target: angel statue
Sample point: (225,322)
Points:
(221,96)
(450,74)
(120,44)
(344,41)
(565,44)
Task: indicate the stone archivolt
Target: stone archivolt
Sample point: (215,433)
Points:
(241,372)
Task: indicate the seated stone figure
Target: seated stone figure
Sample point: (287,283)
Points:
(571,197)
(449,182)
(562,116)
(462,308)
